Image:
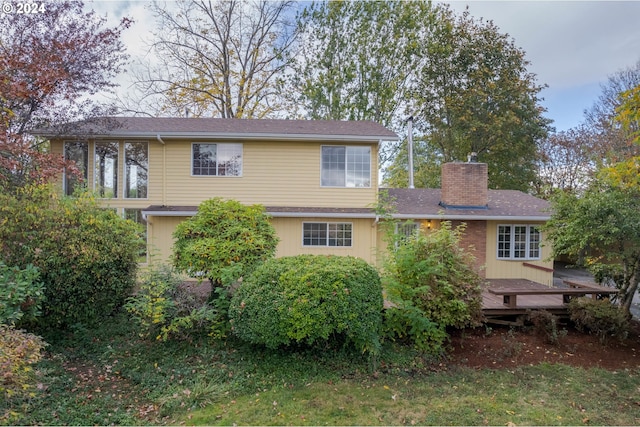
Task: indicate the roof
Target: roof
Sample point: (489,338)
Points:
(424,203)
(178,127)
(415,203)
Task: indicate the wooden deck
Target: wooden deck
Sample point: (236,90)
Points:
(499,303)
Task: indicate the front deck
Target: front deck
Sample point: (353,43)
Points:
(507,301)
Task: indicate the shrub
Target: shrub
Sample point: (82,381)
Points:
(599,317)
(18,351)
(431,285)
(87,255)
(309,299)
(21,294)
(165,309)
(224,241)
(545,324)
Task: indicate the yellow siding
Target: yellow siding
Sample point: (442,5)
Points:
(160,237)
(274,174)
(289,231)
(511,269)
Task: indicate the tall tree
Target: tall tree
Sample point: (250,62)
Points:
(356,59)
(566,161)
(614,141)
(628,112)
(475,95)
(51,62)
(217,58)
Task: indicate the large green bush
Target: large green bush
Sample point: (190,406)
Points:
(86,255)
(21,294)
(311,300)
(224,241)
(431,285)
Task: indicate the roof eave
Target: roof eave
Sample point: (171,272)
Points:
(459,217)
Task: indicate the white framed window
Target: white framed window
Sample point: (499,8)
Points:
(518,242)
(346,166)
(327,234)
(216,159)
(405,230)
(78,152)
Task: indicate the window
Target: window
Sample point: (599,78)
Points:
(216,159)
(136,170)
(348,166)
(405,230)
(135,215)
(106,169)
(326,234)
(518,242)
(78,152)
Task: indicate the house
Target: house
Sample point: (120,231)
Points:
(317,179)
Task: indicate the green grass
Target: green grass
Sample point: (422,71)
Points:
(107,375)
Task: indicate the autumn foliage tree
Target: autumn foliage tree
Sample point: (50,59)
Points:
(50,63)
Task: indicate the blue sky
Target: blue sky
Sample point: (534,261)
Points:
(573,46)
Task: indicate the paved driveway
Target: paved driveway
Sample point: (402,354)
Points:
(562,271)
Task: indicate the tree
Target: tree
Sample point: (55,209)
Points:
(614,141)
(475,95)
(50,63)
(566,161)
(602,229)
(628,112)
(356,59)
(224,241)
(217,58)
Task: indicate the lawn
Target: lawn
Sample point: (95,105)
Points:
(108,375)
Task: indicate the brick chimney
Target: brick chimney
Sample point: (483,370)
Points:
(464,185)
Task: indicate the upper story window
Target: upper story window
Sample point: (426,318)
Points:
(216,159)
(518,242)
(106,169)
(78,152)
(136,170)
(346,166)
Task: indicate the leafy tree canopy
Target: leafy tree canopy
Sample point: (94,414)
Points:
(49,64)
(224,241)
(602,228)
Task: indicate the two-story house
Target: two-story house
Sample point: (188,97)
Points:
(317,179)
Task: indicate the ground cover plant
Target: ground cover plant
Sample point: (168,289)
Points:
(110,375)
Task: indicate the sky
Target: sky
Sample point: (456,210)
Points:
(573,46)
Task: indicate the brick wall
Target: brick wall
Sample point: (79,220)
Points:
(464,184)
(474,241)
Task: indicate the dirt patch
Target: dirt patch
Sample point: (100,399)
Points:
(503,346)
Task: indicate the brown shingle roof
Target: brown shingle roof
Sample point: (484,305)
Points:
(416,203)
(503,204)
(168,127)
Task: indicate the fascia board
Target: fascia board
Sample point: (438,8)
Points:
(532,218)
(273,214)
(232,136)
